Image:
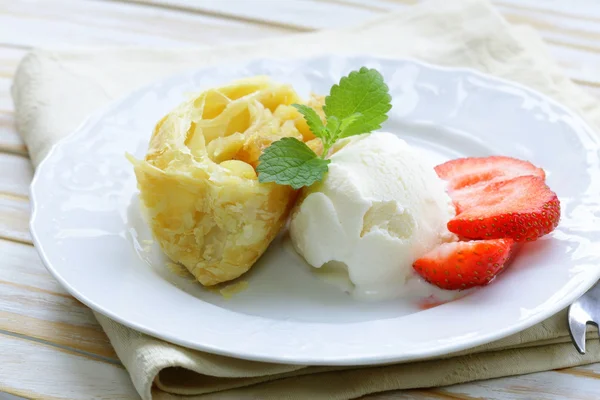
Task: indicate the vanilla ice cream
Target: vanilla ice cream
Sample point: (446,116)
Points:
(380,207)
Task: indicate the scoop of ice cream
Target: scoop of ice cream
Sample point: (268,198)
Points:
(380,207)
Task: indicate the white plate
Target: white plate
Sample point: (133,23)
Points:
(87,228)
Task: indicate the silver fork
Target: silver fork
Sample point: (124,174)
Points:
(585,310)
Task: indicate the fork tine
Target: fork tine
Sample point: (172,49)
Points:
(578,319)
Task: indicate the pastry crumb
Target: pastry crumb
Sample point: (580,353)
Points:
(229,291)
(147,245)
(179,270)
(213,289)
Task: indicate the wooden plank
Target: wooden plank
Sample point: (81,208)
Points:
(87,340)
(591,370)
(583,10)
(579,63)
(6,104)
(33,304)
(420,394)
(35,370)
(549,385)
(555,28)
(572,50)
(16,173)
(14,218)
(567,33)
(375,5)
(592,89)
(10,141)
(63,22)
(578,383)
(6,396)
(293,14)
(22,267)
(9,59)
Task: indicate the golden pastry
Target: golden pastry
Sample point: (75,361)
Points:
(198,183)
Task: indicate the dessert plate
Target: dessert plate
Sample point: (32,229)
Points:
(89,231)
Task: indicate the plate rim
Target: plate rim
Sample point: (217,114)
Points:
(283,358)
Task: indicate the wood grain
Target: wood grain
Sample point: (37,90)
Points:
(293,15)
(14,201)
(541,386)
(38,371)
(6,104)
(10,141)
(14,218)
(19,172)
(6,396)
(376,5)
(62,22)
(22,267)
(592,370)
(33,304)
(584,10)
(9,59)
(421,394)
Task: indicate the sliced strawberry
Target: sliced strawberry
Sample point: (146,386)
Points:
(467,173)
(462,265)
(522,208)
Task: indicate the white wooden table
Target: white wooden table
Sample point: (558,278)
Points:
(50,345)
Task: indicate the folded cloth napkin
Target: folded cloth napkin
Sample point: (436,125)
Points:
(54,91)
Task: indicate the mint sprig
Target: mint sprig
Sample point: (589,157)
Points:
(364,92)
(312,120)
(289,161)
(357,105)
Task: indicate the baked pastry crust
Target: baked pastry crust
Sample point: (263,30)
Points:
(198,183)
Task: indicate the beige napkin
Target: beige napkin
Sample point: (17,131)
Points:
(55,90)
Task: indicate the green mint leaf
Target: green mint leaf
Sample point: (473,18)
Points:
(289,161)
(313,120)
(358,104)
(333,127)
(363,92)
(347,123)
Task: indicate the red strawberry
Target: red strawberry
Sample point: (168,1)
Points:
(462,265)
(522,208)
(464,173)
(467,176)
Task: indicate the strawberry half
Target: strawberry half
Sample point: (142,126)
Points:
(464,173)
(523,209)
(466,177)
(462,265)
